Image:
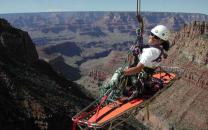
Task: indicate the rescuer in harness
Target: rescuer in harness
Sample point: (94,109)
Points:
(143,61)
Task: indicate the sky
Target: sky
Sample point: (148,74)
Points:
(23,6)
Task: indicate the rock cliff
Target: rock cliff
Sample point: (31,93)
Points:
(32,95)
(59,27)
(184,105)
(16,43)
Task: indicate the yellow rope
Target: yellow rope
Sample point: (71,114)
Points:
(147,108)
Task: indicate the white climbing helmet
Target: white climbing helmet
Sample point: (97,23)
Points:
(161,31)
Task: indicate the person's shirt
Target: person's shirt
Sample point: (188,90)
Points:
(148,56)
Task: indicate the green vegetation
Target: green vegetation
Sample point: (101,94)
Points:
(88,52)
(72,60)
(205,36)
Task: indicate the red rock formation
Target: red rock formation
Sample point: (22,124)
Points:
(98,75)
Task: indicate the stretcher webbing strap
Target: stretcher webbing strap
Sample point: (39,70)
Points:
(82,115)
(99,106)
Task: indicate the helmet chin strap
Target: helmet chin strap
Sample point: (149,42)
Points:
(156,42)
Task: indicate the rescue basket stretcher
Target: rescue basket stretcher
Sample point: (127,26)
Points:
(99,114)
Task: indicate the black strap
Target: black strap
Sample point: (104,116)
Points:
(138,50)
(148,70)
(162,53)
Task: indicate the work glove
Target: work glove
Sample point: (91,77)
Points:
(116,75)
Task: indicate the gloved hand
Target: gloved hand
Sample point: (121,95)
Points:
(116,75)
(119,71)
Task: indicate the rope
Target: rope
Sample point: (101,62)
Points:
(140,29)
(113,90)
(82,115)
(138,7)
(147,108)
(99,106)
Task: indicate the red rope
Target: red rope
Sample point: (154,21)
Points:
(77,120)
(99,106)
(82,115)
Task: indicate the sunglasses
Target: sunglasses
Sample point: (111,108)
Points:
(153,35)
